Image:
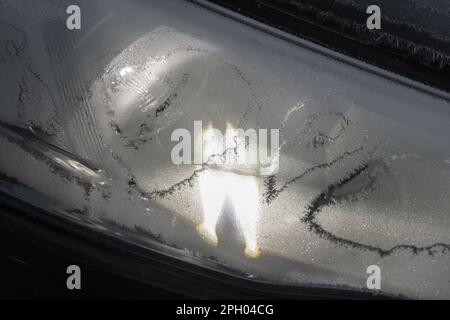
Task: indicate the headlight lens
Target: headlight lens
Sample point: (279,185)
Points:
(358,175)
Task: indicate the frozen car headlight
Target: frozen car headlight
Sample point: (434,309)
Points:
(356,174)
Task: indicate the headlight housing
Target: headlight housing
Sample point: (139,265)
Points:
(359,176)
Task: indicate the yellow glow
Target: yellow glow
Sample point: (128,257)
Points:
(229,125)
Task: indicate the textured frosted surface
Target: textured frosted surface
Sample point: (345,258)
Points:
(364,168)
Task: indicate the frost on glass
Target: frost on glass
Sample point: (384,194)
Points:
(364,169)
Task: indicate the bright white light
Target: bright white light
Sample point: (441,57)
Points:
(125,70)
(242,190)
(212,192)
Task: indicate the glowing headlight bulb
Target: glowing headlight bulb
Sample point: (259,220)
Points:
(218,184)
